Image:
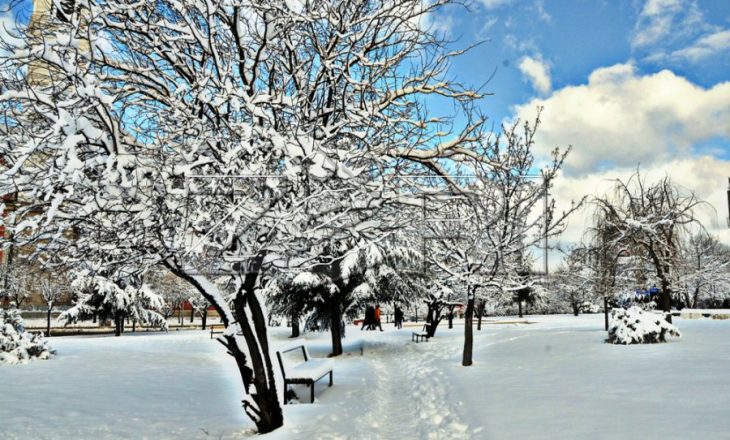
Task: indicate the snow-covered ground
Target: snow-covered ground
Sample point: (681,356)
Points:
(551,379)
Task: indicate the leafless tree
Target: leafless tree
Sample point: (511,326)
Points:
(649,220)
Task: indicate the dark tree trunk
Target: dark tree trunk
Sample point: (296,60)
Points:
(267,414)
(468,333)
(294,325)
(266,411)
(118,325)
(433,318)
(192,313)
(605,311)
(576,309)
(204,318)
(48,322)
(666,300)
(336,329)
(134,326)
(451,317)
(480,312)
(519,307)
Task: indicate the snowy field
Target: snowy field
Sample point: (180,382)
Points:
(551,379)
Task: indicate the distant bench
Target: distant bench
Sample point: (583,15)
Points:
(217,329)
(422,335)
(307,372)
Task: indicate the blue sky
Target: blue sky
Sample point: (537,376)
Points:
(573,38)
(626,83)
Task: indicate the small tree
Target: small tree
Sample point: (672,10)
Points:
(52,292)
(114,300)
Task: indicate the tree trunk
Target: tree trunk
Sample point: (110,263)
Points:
(266,408)
(433,318)
(451,317)
(294,325)
(204,318)
(192,313)
(336,329)
(576,309)
(480,313)
(605,311)
(468,333)
(519,307)
(117,325)
(48,322)
(266,413)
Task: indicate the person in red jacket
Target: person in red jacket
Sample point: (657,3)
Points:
(377,317)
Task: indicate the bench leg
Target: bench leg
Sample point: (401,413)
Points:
(330,378)
(285,399)
(312,392)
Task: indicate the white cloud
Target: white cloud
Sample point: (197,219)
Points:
(676,31)
(620,118)
(542,14)
(706,176)
(494,4)
(705,47)
(662,20)
(538,73)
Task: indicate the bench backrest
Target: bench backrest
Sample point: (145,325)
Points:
(305,353)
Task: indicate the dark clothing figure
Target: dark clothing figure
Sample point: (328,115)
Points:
(398,317)
(369,320)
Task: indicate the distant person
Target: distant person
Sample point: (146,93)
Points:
(377,318)
(369,320)
(398,316)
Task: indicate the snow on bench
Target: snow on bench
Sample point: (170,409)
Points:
(307,372)
(420,336)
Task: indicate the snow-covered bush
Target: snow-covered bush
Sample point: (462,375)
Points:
(634,326)
(17,345)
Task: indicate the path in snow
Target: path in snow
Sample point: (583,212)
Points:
(402,393)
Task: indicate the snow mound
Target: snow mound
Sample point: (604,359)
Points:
(634,326)
(16,345)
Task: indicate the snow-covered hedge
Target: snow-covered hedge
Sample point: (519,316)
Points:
(634,326)
(17,345)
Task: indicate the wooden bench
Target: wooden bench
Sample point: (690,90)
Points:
(307,372)
(421,336)
(216,329)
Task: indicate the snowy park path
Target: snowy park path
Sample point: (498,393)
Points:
(402,392)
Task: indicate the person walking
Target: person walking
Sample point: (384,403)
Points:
(377,318)
(369,320)
(398,317)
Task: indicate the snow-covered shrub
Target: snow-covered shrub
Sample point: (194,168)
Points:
(17,345)
(634,326)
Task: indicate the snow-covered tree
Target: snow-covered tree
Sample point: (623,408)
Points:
(113,300)
(245,131)
(504,216)
(19,282)
(52,291)
(650,221)
(572,281)
(18,345)
(704,270)
(361,271)
(199,305)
